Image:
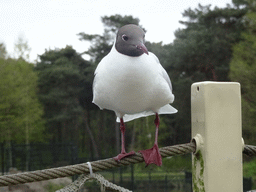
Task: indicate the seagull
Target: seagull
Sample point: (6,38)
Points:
(130,81)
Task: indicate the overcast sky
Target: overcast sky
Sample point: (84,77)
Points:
(55,23)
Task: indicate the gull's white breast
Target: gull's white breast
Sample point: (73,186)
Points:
(130,85)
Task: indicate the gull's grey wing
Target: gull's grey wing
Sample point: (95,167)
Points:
(166,77)
(163,71)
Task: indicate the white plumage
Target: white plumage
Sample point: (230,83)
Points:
(133,87)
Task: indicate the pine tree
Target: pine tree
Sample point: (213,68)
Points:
(243,70)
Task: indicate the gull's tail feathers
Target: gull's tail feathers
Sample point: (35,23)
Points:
(167,109)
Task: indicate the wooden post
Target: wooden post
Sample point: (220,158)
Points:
(216,130)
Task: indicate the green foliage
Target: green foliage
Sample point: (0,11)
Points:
(200,52)
(61,81)
(20,111)
(203,49)
(249,168)
(179,124)
(114,22)
(239,3)
(243,70)
(177,163)
(52,187)
(3,52)
(22,49)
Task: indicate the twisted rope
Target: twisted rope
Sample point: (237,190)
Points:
(100,165)
(250,150)
(83,168)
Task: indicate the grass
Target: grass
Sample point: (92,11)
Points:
(52,187)
(147,175)
(249,170)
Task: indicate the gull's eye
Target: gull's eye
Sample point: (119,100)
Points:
(125,37)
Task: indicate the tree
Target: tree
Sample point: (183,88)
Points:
(22,49)
(20,111)
(240,3)
(204,48)
(60,73)
(65,89)
(200,52)
(243,70)
(3,52)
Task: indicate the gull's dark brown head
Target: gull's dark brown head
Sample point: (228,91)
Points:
(130,41)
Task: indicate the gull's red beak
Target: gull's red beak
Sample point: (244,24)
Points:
(143,48)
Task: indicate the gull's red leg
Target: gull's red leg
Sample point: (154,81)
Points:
(123,152)
(153,155)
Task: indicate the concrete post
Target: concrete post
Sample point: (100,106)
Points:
(216,129)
